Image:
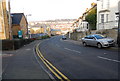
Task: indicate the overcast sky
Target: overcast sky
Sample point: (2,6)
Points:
(50,9)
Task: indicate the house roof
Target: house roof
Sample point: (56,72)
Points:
(16,18)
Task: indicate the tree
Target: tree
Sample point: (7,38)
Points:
(91,18)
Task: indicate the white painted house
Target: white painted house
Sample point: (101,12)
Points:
(106,14)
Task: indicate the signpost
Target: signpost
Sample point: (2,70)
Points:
(20,34)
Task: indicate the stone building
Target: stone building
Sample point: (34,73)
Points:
(5,20)
(19,23)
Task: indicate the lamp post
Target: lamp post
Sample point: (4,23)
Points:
(27,25)
(118,39)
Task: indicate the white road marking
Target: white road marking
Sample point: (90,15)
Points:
(108,59)
(105,53)
(61,39)
(72,50)
(28,49)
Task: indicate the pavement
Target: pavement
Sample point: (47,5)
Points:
(23,64)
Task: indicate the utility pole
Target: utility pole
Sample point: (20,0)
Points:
(118,39)
(29,35)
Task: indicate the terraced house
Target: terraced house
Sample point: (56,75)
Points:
(19,23)
(5,20)
(106,14)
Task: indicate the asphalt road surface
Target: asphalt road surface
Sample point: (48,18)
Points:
(23,65)
(56,58)
(78,62)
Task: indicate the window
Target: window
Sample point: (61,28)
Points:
(108,3)
(102,4)
(99,36)
(87,26)
(107,15)
(89,37)
(102,18)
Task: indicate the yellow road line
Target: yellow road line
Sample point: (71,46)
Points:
(49,66)
(52,65)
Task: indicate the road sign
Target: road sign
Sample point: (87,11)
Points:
(20,34)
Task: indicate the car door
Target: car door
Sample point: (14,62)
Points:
(92,41)
(86,39)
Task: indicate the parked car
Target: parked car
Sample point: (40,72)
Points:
(98,40)
(64,37)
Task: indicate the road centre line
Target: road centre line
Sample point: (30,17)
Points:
(72,50)
(108,59)
(48,64)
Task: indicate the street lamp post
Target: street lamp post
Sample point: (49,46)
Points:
(27,26)
(118,39)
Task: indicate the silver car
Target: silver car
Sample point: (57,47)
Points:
(98,40)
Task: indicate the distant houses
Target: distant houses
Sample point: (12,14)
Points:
(55,32)
(58,26)
(40,29)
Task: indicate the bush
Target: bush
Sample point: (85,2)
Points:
(98,32)
(46,36)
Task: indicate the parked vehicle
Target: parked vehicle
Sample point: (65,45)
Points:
(64,37)
(98,40)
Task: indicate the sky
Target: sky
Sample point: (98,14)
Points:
(41,10)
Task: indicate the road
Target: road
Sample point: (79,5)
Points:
(78,62)
(54,58)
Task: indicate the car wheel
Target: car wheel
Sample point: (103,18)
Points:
(84,44)
(99,45)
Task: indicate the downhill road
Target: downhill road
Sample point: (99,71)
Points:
(78,62)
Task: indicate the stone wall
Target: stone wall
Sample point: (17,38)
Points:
(112,33)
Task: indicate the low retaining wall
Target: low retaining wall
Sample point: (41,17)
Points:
(14,44)
(113,33)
